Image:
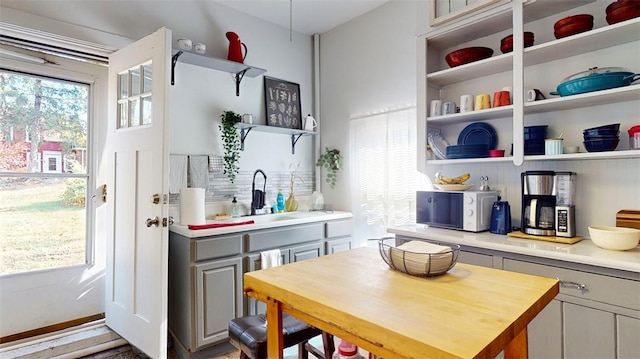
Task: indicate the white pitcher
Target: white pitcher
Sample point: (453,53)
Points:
(309,123)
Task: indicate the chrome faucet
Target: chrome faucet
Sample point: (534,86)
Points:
(258,196)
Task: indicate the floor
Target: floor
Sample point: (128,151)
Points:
(127,352)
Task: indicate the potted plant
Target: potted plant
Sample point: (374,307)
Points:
(331,160)
(230,143)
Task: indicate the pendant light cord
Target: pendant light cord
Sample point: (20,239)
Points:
(290,20)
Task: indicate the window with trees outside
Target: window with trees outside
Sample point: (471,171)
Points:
(44,139)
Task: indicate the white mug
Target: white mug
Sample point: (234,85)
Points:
(185,44)
(247,118)
(200,48)
(466,103)
(436,108)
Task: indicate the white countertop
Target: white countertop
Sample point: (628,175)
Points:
(261,222)
(583,252)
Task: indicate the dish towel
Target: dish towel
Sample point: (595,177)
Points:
(218,225)
(177,173)
(270,259)
(199,171)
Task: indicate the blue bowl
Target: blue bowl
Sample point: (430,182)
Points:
(602,132)
(601,145)
(612,127)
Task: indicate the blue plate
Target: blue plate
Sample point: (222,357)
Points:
(478,133)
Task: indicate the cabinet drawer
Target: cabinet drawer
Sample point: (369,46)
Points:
(217,247)
(338,229)
(600,288)
(283,237)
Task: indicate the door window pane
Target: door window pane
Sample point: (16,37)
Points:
(123,85)
(43,172)
(135,82)
(146,110)
(147,78)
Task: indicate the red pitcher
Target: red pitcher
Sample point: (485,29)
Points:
(235,48)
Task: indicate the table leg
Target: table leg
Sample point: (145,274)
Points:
(274,329)
(518,347)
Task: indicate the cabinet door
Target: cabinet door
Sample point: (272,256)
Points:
(218,298)
(338,245)
(628,330)
(588,332)
(254,306)
(306,251)
(477,259)
(544,333)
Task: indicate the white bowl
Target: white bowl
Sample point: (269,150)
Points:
(614,238)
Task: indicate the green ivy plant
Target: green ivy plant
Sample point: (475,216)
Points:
(331,160)
(230,143)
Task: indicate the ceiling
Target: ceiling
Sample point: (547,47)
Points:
(307,16)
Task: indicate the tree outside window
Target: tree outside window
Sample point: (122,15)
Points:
(43,172)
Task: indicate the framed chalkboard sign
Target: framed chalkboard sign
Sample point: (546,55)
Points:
(282,103)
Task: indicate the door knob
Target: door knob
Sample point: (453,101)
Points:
(152,222)
(166,222)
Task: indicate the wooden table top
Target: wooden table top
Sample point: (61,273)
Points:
(468,312)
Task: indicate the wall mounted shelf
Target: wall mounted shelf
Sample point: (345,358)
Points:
(295,134)
(239,70)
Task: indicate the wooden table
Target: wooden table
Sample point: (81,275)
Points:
(469,312)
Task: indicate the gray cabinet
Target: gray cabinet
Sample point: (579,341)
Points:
(205,288)
(218,295)
(585,319)
(338,236)
(588,332)
(205,276)
(628,340)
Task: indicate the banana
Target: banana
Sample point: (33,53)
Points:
(440,179)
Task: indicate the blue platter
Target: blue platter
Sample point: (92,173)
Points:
(479,133)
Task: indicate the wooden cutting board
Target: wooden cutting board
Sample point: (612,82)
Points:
(572,240)
(629,218)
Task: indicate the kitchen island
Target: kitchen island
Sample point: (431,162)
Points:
(395,315)
(596,314)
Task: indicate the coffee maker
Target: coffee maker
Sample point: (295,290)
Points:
(548,203)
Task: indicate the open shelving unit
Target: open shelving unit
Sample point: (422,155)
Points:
(294,133)
(239,70)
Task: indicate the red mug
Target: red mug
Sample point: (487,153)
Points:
(501,98)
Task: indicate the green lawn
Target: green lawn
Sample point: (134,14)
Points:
(37,230)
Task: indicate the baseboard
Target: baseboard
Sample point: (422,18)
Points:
(51,328)
(70,343)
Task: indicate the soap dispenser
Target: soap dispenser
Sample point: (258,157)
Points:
(235,208)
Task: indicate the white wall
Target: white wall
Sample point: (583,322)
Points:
(366,65)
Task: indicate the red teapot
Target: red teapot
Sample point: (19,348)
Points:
(235,48)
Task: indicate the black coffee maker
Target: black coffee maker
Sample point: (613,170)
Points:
(538,202)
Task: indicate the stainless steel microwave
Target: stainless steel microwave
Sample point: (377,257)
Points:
(462,210)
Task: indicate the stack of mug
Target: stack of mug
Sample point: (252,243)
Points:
(468,104)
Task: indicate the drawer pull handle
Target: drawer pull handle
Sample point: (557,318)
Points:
(570,284)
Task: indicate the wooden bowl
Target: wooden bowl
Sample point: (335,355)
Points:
(467,55)
(506,44)
(621,11)
(575,19)
(572,25)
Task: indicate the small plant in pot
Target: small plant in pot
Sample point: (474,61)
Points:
(230,143)
(331,160)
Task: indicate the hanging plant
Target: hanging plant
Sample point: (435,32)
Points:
(331,160)
(230,143)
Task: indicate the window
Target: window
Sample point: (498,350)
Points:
(43,182)
(383,150)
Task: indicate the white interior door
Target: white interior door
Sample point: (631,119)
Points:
(137,151)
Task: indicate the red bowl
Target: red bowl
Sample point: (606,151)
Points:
(575,19)
(627,10)
(572,29)
(496,153)
(467,55)
(506,44)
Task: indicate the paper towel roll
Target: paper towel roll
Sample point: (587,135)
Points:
(192,206)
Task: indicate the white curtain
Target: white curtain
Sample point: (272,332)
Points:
(384,171)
